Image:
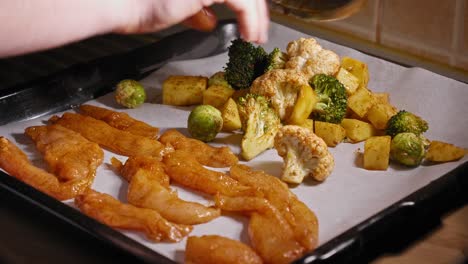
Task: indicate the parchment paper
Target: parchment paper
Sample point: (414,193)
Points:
(350,194)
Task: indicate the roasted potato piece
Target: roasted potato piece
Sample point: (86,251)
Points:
(357,130)
(183,90)
(230,114)
(306,101)
(350,82)
(443,152)
(331,133)
(377,153)
(381,97)
(217,95)
(356,68)
(308,123)
(361,101)
(379,114)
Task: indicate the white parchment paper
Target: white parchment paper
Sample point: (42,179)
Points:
(351,194)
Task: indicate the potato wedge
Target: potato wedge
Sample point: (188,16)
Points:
(357,130)
(379,114)
(350,82)
(308,123)
(439,151)
(331,133)
(183,90)
(230,114)
(361,101)
(305,102)
(356,68)
(377,153)
(381,97)
(217,95)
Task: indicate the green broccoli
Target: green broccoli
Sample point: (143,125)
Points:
(219,78)
(259,123)
(276,60)
(246,62)
(407,148)
(332,99)
(405,121)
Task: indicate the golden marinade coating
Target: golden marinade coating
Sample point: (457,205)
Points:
(301,219)
(184,169)
(148,189)
(113,139)
(68,154)
(270,234)
(16,163)
(207,155)
(120,120)
(110,211)
(215,249)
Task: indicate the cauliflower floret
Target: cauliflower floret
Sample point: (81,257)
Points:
(259,123)
(304,154)
(307,56)
(281,87)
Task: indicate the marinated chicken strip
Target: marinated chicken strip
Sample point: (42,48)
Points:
(214,249)
(205,154)
(115,140)
(302,220)
(120,120)
(110,211)
(69,155)
(146,191)
(270,234)
(151,165)
(16,163)
(183,168)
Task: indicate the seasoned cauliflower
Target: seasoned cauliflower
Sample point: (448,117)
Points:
(304,154)
(281,87)
(259,123)
(308,57)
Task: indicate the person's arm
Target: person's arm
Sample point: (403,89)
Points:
(32,25)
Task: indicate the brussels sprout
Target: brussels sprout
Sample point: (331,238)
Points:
(408,149)
(204,122)
(130,93)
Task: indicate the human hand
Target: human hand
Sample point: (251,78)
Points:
(154,15)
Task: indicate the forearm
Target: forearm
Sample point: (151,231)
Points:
(30,25)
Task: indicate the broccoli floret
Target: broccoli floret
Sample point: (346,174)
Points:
(407,149)
(246,62)
(332,99)
(219,78)
(259,123)
(405,121)
(276,60)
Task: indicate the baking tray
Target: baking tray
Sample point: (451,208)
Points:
(77,84)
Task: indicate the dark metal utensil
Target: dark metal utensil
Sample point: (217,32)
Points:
(85,81)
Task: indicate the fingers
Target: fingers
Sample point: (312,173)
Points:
(253,19)
(203,20)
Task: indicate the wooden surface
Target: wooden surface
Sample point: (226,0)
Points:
(447,244)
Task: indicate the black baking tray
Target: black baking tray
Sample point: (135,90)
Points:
(386,231)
